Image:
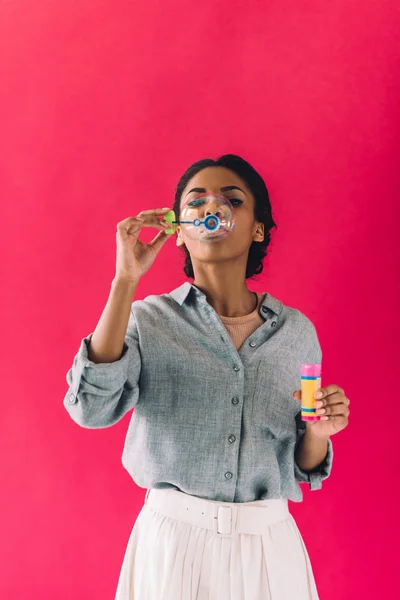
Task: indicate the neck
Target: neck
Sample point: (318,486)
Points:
(228,295)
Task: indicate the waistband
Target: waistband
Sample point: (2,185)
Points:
(224,518)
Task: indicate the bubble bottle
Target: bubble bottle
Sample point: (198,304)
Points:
(310,383)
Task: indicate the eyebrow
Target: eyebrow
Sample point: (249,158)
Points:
(227,188)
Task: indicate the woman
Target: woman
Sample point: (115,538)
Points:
(216,437)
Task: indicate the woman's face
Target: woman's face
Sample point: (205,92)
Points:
(246,230)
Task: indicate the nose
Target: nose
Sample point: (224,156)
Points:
(213,208)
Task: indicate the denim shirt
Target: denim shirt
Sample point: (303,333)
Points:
(208,420)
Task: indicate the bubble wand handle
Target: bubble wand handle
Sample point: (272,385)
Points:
(211,222)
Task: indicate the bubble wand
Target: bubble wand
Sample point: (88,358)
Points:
(196,227)
(211,222)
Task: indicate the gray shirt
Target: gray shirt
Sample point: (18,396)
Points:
(208,420)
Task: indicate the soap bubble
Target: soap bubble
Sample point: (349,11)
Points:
(207,217)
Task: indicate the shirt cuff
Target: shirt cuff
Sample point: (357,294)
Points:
(103,377)
(316,477)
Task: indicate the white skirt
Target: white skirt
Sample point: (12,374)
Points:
(185,548)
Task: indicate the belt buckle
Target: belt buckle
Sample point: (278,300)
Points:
(222,519)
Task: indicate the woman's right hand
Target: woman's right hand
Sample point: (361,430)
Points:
(134,258)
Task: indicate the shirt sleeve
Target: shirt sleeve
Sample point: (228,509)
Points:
(315,477)
(100,394)
(312,355)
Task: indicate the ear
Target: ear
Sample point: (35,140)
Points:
(179,240)
(258,232)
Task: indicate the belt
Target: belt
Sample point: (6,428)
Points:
(224,518)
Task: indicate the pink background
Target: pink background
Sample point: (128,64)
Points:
(103,106)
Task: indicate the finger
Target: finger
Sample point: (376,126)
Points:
(149,221)
(334,409)
(145,220)
(130,222)
(125,229)
(158,242)
(338,421)
(155,211)
(336,398)
(136,225)
(326,391)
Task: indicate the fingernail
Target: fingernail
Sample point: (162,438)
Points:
(318,395)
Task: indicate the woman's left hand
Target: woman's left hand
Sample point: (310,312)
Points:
(332,407)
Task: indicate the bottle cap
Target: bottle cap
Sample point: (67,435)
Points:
(308,370)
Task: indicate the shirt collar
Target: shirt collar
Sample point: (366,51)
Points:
(181,293)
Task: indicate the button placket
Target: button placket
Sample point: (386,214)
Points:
(236,367)
(219,328)
(273,322)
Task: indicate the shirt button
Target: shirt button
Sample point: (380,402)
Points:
(252,344)
(235,400)
(264,309)
(71,399)
(231,438)
(273,324)
(228,475)
(236,368)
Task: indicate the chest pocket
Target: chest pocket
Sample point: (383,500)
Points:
(274,409)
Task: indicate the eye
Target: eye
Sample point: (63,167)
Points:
(233,200)
(196,203)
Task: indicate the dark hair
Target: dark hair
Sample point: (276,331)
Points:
(262,206)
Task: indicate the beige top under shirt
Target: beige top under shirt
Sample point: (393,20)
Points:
(240,328)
